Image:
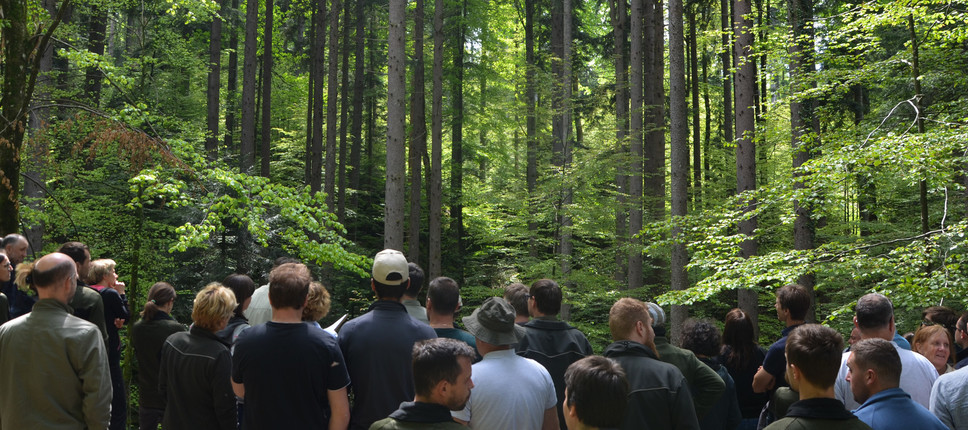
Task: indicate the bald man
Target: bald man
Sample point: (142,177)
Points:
(57,376)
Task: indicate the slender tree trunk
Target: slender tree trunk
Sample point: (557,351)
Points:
(267,89)
(418,131)
(359,84)
(566,198)
(727,52)
(318,60)
(232,85)
(655,147)
(437,121)
(332,103)
(694,81)
(530,95)
(745,129)
(619,26)
(679,155)
(247,150)
(707,123)
(637,17)
(918,95)
(344,110)
(396,116)
(310,97)
(457,146)
(214,86)
(805,126)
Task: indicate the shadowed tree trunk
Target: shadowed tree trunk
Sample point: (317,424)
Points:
(359,84)
(418,131)
(318,63)
(436,185)
(232,85)
(745,128)
(247,150)
(457,145)
(396,93)
(344,110)
(332,106)
(97,29)
(726,53)
(267,89)
(530,96)
(619,27)
(679,156)
(214,81)
(636,31)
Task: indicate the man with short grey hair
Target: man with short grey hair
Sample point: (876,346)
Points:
(510,392)
(15,247)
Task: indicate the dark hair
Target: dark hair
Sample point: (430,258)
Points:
(436,360)
(158,295)
(817,351)
(384,291)
(11,239)
(739,341)
(941,315)
(75,250)
(547,296)
(283,260)
(873,311)
(963,322)
(880,355)
(701,337)
(416,280)
(29,276)
(597,388)
(517,295)
(289,285)
(242,286)
(444,294)
(795,299)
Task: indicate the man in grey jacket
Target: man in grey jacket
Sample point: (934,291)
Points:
(55,367)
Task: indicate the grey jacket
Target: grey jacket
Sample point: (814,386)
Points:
(54,371)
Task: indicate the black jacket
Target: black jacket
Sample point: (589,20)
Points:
(195,380)
(659,398)
(147,338)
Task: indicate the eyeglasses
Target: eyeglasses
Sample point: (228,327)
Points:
(929,323)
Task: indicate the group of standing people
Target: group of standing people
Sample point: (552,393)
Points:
(256,358)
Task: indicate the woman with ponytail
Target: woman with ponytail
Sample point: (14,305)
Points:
(147,338)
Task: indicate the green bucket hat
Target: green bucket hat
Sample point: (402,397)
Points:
(493,323)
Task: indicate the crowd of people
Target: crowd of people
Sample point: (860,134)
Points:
(256,358)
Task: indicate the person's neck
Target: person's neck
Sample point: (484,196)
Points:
(810,391)
(791,322)
(440,321)
(389,299)
(485,348)
(406,297)
(885,334)
(521,319)
(286,315)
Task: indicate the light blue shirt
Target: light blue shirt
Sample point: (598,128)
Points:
(893,409)
(949,399)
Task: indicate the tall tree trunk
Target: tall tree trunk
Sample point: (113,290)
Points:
(318,65)
(530,95)
(96,36)
(308,164)
(619,27)
(762,96)
(247,150)
(655,148)
(214,86)
(805,126)
(706,168)
(332,106)
(691,11)
(457,146)
(344,111)
(636,94)
(232,85)
(396,116)
(726,53)
(418,131)
(359,84)
(267,89)
(745,129)
(437,121)
(679,155)
(918,95)
(567,146)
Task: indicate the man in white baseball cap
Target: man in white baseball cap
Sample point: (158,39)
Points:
(377,345)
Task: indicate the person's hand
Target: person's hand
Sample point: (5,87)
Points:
(119,287)
(118,323)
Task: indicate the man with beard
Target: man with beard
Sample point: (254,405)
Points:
(442,378)
(659,396)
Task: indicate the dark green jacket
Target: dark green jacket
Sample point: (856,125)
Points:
(147,338)
(89,306)
(418,415)
(818,414)
(704,383)
(54,371)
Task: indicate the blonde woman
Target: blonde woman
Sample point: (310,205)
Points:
(103,278)
(934,343)
(196,367)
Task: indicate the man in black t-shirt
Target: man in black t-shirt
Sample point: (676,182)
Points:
(280,367)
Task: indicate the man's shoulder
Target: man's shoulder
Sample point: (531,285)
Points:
(803,423)
(393,424)
(954,380)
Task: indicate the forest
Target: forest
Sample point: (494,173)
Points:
(695,153)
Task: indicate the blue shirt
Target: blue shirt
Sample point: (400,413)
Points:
(893,409)
(775,361)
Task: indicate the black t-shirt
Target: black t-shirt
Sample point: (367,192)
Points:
(287,370)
